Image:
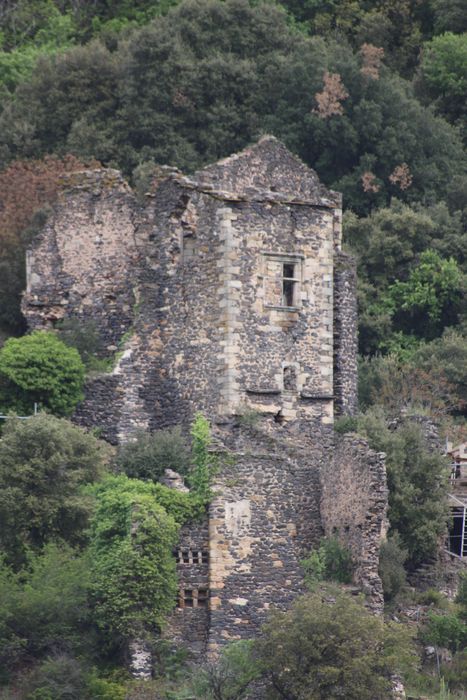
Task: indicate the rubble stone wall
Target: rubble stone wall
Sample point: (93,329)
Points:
(81,264)
(345,335)
(262,522)
(189,624)
(354,509)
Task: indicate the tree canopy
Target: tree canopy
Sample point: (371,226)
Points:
(40,369)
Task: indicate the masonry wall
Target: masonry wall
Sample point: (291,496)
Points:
(81,264)
(353,508)
(263,520)
(268,339)
(190,621)
(345,335)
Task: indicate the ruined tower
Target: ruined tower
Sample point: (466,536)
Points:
(229,294)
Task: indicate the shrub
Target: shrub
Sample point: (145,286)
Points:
(329,646)
(433,597)
(150,454)
(230,675)
(446,630)
(417,481)
(60,676)
(45,609)
(461,597)
(44,462)
(455,673)
(39,368)
(392,557)
(331,562)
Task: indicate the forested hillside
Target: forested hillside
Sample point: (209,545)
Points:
(369,93)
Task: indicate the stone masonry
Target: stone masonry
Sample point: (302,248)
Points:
(228,293)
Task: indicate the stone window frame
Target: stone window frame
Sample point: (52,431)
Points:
(193,598)
(296,259)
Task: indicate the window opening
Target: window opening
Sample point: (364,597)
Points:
(194,598)
(187,556)
(188,246)
(188,599)
(202,598)
(289,284)
(289,379)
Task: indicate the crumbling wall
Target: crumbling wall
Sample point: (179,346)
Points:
(82,263)
(354,506)
(345,335)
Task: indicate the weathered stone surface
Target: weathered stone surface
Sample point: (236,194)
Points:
(354,509)
(227,293)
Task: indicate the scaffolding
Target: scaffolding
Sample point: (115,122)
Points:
(457,539)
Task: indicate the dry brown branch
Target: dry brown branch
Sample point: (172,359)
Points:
(401,176)
(368,182)
(372,57)
(331,98)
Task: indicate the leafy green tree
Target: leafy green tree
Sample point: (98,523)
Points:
(417,481)
(238,70)
(388,243)
(449,16)
(45,608)
(39,368)
(430,299)
(399,383)
(44,462)
(133,570)
(449,355)
(444,75)
(329,646)
(150,454)
(446,630)
(44,30)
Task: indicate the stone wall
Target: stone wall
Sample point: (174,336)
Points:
(264,519)
(81,264)
(189,623)
(354,509)
(345,335)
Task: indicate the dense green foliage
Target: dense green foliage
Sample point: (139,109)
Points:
(45,609)
(40,369)
(329,646)
(229,676)
(331,561)
(133,570)
(44,462)
(151,453)
(417,480)
(238,70)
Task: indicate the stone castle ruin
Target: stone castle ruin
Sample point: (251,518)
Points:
(227,293)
